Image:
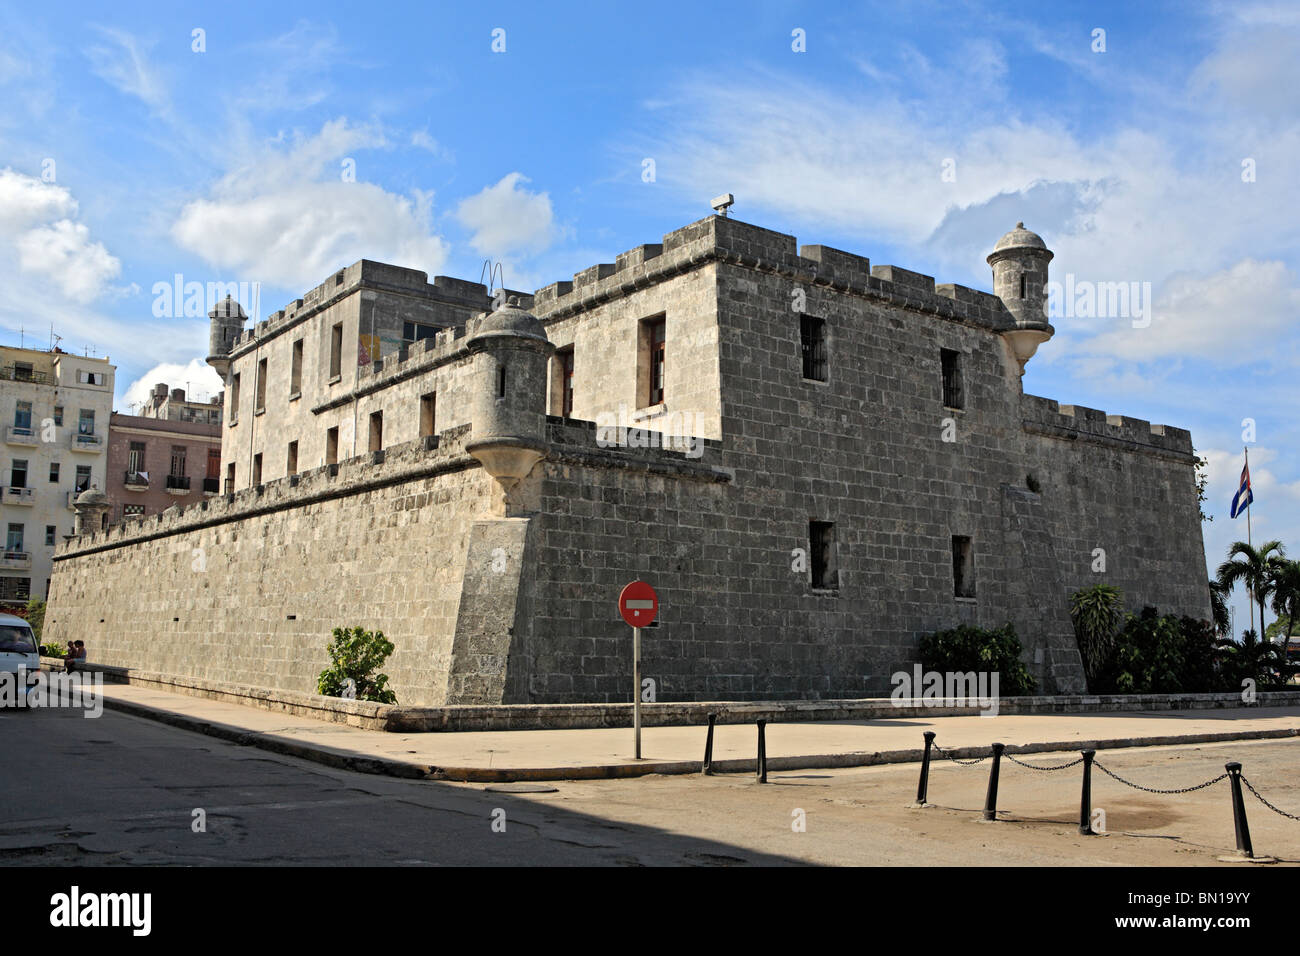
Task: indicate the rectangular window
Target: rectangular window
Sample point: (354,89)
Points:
(83,478)
(501,382)
(91,378)
(376,431)
(135,457)
(23,417)
(952,390)
(23,371)
(15,589)
(49,534)
(54,472)
(234,399)
(178,460)
(566,381)
(821,550)
(15,540)
(214,463)
(295,369)
(261,386)
(18,473)
(58,415)
(651,350)
(428,414)
(963,567)
(257,469)
(230,478)
(86,422)
(291,463)
(416,332)
(332,446)
(336,351)
(812,343)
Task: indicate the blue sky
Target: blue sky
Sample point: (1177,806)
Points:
(913,133)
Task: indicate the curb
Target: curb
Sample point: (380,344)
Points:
(410,770)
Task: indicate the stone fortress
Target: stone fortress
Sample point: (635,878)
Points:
(814,460)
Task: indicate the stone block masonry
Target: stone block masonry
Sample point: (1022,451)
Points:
(864,468)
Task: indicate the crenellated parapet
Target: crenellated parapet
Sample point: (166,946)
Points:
(1043,416)
(726,240)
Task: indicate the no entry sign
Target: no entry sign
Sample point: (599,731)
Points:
(638,604)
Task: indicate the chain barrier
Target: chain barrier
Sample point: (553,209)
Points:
(964,763)
(1137,786)
(1260,797)
(1030,766)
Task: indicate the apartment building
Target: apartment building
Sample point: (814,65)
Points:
(168,455)
(55,409)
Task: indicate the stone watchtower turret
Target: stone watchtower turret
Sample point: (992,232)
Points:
(225,322)
(1019,262)
(510,352)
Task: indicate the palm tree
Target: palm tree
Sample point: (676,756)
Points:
(1255,570)
(1285,584)
(1095,612)
(1219,609)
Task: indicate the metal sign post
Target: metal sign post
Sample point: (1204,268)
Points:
(638,604)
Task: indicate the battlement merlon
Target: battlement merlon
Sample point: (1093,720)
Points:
(723,239)
(1044,416)
(376,276)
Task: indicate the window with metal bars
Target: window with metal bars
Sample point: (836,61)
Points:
(821,550)
(952,385)
(812,342)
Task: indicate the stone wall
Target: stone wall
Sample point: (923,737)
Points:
(248,588)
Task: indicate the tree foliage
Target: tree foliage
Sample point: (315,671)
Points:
(357,654)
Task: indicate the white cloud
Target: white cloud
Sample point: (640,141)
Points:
(41,238)
(123,64)
(1237,316)
(506,219)
(198,377)
(287,218)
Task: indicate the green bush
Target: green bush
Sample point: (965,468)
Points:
(357,654)
(1155,654)
(53,650)
(1095,613)
(969,648)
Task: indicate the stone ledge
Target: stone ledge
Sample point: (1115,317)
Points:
(402,719)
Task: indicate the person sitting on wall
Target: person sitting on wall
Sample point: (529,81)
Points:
(70,658)
(81,653)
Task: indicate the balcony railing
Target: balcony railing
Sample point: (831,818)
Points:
(18,435)
(12,373)
(18,496)
(134,479)
(92,443)
(16,560)
(211,486)
(178,484)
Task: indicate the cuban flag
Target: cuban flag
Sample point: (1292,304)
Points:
(1242,499)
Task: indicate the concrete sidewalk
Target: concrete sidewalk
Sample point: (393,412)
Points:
(520,755)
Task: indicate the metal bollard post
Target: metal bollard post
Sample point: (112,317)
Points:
(923,787)
(762,752)
(708,747)
(1085,802)
(1239,811)
(991,800)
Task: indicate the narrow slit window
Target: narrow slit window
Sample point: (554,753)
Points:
(812,342)
(821,550)
(963,567)
(950,361)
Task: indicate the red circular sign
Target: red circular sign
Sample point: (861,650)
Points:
(638,604)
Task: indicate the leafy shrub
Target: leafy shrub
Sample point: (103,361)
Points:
(967,648)
(1263,662)
(1156,654)
(356,654)
(53,650)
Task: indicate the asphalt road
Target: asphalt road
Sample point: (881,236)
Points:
(124,790)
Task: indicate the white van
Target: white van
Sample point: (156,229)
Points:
(18,653)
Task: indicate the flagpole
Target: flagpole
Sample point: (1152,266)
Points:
(1250,594)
